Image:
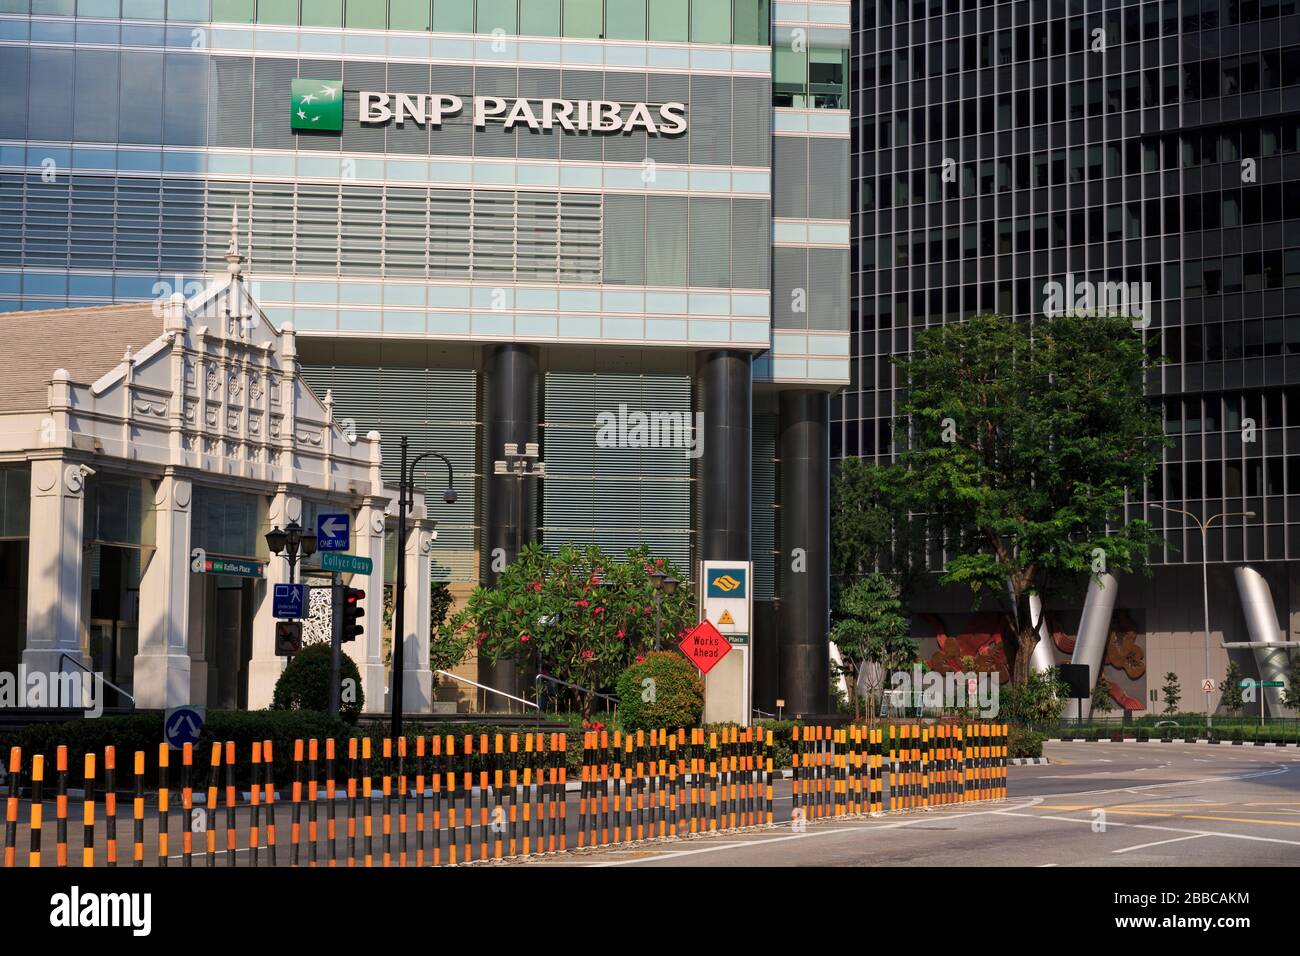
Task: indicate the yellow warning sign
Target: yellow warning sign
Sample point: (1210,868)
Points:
(726,618)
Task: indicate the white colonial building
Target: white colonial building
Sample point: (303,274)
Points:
(143,446)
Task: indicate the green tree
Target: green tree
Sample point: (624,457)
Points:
(1172,693)
(1232,699)
(1291,694)
(870,528)
(869,628)
(305,684)
(576,614)
(1022,440)
(1040,700)
(1102,702)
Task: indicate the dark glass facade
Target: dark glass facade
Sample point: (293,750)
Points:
(998,147)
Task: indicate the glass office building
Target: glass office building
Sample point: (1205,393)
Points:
(488,222)
(1115,141)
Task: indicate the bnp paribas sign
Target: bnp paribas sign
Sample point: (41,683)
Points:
(318,105)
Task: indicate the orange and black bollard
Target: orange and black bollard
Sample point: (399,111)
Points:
(498,784)
(164,804)
(38,809)
(137,813)
(187,805)
(231,799)
(386,790)
(419,801)
(331,791)
(313,799)
(449,765)
(88,813)
(367,812)
(255,805)
(11,805)
(435,787)
(352,802)
(61,807)
(268,795)
(295,807)
(401,801)
(209,810)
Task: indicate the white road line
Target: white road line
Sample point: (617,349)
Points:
(1143,846)
(1152,826)
(768,841)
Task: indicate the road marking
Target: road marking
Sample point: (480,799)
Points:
(1144,846)
(1155,826)
(1275,823)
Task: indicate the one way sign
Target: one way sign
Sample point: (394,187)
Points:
(333,532)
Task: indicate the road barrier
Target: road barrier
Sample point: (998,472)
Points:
(929,765)
(454,799)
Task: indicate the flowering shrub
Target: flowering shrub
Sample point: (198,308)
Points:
(577,615)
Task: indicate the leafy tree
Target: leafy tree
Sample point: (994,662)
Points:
(1172,693)
(577,614)
(1102,702)
(1232,698)
(870,527)
(1291,694)
(440,602)
(661,689)
(1022,440)
(869,628)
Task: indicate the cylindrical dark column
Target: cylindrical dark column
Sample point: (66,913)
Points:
(803,569)
(510,414)
(724,397)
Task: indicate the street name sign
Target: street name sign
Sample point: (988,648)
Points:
(345,563)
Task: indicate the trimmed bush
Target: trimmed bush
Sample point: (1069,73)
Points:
(1023,742)
(305,684)
(662,691)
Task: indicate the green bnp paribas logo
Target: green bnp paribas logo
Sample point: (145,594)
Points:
(316,105)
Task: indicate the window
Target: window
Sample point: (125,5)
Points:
(625,19)
(408,14)
(321,13)
(453,16)
(496,15)
(751,21)
(539,18)
(366,14)
(668,20)
(826,72)
(582,18)
(710,21)
(789,85)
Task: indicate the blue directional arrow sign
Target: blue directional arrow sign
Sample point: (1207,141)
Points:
(289,601)
(182,726)
(333,532)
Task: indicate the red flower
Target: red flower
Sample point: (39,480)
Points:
(622,633)
(587,655)
(535,586)
(648,609)
(581,602)
(640,658)
(523,638)
(597,610)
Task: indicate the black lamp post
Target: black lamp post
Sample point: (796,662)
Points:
(405,498)
(292,542)
(666,585)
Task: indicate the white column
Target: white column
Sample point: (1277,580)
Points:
(264,667)
(1094,630)
(162,660)
(54,570)
(417,686)
(368,650)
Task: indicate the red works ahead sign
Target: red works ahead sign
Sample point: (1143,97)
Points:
(705,646)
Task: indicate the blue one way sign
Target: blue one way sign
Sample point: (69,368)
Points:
(333,532)
(289,601)
(182,726)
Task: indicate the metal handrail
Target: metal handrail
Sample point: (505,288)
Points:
(492,690)
(102,679)
(565,683)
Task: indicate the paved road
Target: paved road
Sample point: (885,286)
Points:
(1096,804)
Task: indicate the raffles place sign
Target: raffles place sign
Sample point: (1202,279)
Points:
(317,105)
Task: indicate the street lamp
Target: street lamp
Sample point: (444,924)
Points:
(406,498)
(291,541)
(1205,580)
(666,585)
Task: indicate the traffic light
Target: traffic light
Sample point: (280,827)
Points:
(352,613)
(288,638)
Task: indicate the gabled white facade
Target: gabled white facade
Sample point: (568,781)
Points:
(215,401)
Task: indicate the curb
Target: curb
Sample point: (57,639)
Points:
(1156,740)
(1028,761)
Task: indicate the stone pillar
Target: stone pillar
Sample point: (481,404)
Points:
(367,652)
(510,391)
(417,685)
(803,571)
(54,571)
(264,666)
(162,660)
